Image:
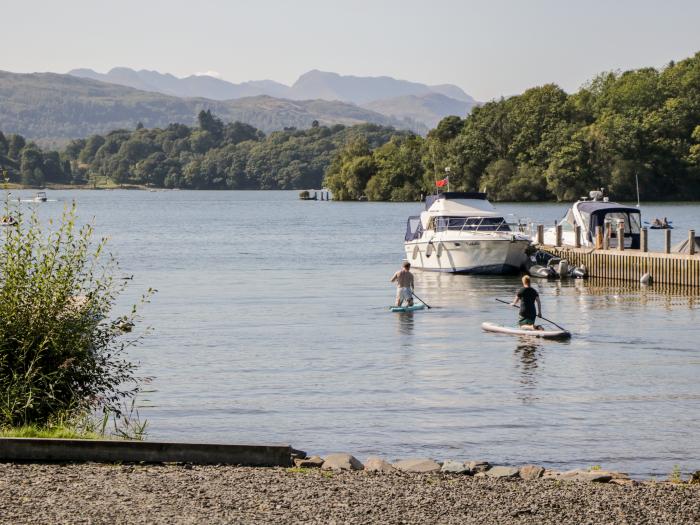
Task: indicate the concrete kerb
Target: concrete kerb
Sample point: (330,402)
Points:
(36,450)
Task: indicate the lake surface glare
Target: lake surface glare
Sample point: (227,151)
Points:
(270,325)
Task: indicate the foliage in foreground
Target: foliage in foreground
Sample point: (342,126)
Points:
(546,144)
(61,356)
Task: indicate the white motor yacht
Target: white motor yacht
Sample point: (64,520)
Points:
(597,210)
(461,232)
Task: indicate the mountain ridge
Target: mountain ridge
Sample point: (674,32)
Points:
(54,108)
(312,85)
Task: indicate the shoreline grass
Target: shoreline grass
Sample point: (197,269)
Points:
(58,432)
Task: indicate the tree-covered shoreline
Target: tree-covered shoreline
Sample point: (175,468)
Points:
(548,145)
(541,145)
(212,155)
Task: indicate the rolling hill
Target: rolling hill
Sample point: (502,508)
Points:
(53,108)
(420,103)
(429,108)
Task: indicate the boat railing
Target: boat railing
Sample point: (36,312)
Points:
(475,225)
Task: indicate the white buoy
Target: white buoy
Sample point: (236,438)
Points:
(563,268)
(646,278)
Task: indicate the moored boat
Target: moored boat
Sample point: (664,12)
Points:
(588,214)
(461,232)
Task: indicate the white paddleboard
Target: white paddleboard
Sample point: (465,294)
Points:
(546,334)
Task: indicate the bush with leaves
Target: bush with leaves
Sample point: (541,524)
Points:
(62,357)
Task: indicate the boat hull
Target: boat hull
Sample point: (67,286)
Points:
(467,256)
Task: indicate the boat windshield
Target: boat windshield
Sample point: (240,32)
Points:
(630,220)
(414,228)
(480,224)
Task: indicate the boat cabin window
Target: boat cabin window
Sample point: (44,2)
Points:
(470,224)
(631,221)
(414,228)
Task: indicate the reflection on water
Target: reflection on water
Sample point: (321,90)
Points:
(406,322)
(527,354)
(272,325)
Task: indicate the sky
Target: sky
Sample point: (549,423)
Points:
(490,48)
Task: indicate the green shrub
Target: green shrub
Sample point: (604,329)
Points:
(61,355)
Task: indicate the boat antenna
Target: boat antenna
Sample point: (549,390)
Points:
(636,179)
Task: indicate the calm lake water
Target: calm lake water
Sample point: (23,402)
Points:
(270,325)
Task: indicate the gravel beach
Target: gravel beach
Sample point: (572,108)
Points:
(98,493)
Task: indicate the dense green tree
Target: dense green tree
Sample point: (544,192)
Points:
(15,145)
(4,145)
(545,144)
(31,166)
(211,124)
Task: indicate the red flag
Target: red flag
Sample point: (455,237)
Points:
(441,183)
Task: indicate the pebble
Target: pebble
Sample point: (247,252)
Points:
(454,467)
(340,462)
(478,466)
(502,472)
(159,495)
(417,465)
(597,476)
(374,464)
(312,462)
(531,472)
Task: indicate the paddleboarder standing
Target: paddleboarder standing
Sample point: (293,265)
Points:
(528,297)
(404,285)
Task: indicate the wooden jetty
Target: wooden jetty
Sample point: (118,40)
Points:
(620,263)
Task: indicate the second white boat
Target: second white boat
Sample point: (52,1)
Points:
(461,232)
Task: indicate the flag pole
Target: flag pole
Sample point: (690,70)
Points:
(447,176)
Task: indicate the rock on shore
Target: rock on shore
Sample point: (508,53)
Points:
(175,494)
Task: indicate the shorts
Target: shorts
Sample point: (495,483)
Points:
(525,321)
(404,294)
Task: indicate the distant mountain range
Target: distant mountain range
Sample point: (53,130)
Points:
(412,101)
(53,108)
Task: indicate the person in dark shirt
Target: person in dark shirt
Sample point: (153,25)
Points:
(528,297)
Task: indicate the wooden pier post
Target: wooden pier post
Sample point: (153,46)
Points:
(621,237)
(577,236)
(644,240)
(667,241)
(606,237)
(691,242)
(540,234)
(558,239)
(598,238)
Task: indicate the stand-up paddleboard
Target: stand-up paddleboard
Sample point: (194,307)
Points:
(407,308)
(546,334)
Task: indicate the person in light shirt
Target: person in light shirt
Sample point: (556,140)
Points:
(404,285)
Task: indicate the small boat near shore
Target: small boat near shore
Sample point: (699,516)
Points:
(461,232)
(8,220)
(544,334)
(660,224)
(40,196)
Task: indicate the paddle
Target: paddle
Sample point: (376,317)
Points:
(421,300)
(543,318)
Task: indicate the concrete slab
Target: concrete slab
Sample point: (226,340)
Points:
(38,450)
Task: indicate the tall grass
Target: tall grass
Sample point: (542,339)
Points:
(62,353)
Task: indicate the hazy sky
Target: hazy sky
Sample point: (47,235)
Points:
(489,48)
